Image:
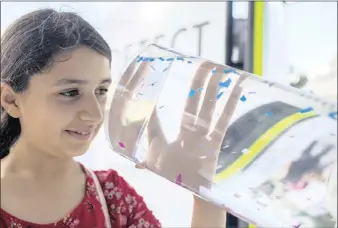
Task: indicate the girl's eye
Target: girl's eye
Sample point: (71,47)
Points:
(75,92)
(102,91)
(70,93)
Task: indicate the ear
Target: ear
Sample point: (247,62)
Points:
(8,100)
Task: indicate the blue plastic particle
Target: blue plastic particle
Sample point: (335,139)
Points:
(189,62)
(200,89)
(225,83)
(170,59)
(151,59)
(333,115)
(152,67)
(228,71)
(214,71)
(192,93)
(180,58)
(268,114)
(219,95)
(305,110)
(161,58)
(165,69)
(243,98)
(140,59)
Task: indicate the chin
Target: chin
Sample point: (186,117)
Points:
(77,151)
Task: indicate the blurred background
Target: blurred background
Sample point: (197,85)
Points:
(293,43)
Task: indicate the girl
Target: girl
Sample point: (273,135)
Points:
(55,74)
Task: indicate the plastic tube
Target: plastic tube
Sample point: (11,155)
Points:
(261,150)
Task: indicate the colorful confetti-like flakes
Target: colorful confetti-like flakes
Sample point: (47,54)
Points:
(333,115)
(179,179)
(228,71)
(268,114)
(305,110)
(243,98)
(192,93)
(121,145)
(219,95)
(225,84)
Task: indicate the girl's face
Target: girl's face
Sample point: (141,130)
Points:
(62,109)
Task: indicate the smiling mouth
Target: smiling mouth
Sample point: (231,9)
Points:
(80,135)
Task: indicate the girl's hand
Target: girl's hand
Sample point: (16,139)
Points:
(193,156)
(119,131)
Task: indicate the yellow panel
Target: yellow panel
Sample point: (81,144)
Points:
(261,143)
(258,33)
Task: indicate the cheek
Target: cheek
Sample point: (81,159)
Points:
(38,125)
(47,118)
(63,111)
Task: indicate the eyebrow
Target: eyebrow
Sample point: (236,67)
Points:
(66,81)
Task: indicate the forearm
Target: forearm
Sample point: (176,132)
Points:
(207,215)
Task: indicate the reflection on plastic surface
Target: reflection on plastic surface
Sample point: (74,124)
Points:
(261,150)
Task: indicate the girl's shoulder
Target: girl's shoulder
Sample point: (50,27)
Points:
(125,205)
(114,185)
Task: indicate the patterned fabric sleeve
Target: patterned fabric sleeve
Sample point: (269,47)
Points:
(126,207)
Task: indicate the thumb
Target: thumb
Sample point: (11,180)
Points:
(141,165)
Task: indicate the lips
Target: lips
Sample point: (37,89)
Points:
(80,135)
(81,132)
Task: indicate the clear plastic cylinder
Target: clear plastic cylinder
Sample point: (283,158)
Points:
(261,150)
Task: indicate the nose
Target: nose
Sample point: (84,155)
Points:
(92,111)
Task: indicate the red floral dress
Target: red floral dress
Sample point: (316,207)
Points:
(126,208)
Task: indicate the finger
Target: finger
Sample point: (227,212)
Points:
(139,75)
(228,111)
(156,140)
(209,103)
(141,165)
(154,127)
(121,87)
(191,107)
(128,74)
(125,92)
